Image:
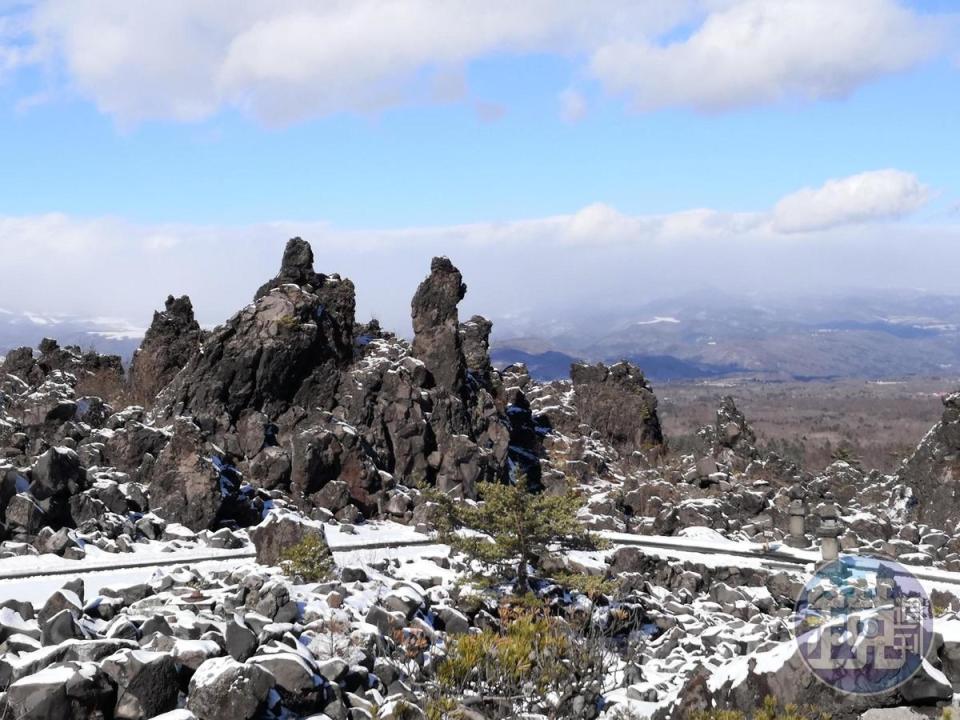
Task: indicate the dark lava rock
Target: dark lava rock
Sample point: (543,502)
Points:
(436,336)
(618,402)
(146,683)
(169,344)
(78,691)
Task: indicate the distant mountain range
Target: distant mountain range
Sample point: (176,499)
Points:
(714,334)
(701,335)
(106,335)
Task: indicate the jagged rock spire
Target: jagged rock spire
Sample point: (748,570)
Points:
(171,341)
(732,429)
(296,268)
(286,348)
(436,339)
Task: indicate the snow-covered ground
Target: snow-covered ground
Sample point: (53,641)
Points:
(35,577)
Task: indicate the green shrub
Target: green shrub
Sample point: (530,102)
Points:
(309,559)
(290,323)
(531,658)
(770,710)
(513,529)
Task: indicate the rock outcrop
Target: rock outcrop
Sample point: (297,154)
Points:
(295,422)
(618,402)
(270,356)
(33,368)
(436,332)
(932,472)
(731,429)
(168,346)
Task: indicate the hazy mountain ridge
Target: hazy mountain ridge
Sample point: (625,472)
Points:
(700,335)
(106,335)
(694,336)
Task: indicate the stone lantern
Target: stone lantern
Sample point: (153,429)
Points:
(830,529)
(798,515)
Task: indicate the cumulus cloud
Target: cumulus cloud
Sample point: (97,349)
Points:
(757,51)
(876,195)
(592,257)
(286,60)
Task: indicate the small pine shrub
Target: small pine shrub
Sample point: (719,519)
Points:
(534,663)
(514,529)
(290,323)
(309,559)
(770,710)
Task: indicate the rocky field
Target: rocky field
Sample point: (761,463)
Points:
(289,516)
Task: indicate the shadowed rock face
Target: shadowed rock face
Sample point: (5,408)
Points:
(172,340)
(618,402)
(286,348)
(933,471)
(436,336)
(289,398)
(33,368)
(296,268)
(731,426)
(475,339)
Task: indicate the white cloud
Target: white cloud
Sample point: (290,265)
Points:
(160,242)
(108,266)
(762,51)
(876,195)
(573,105)
(286,60)
(16,50)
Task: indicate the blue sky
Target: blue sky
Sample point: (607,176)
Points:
(187,127)
(437,165)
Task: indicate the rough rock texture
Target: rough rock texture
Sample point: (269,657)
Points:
(436,336)
(169,344)
(79,691)
(618,402)
(732,430)
(295,421)
(223,689)
(337,297)
(782,673)
(146,683)
(279,532)
(271,355)
(475,340)
(195,485)
(33,368)
(933,471)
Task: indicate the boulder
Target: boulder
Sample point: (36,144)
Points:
(185,487)
(146,683)
(224,689)
(57,474)
(24,516)
(280,531)
(194,485)
(241,641)
(78,691)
